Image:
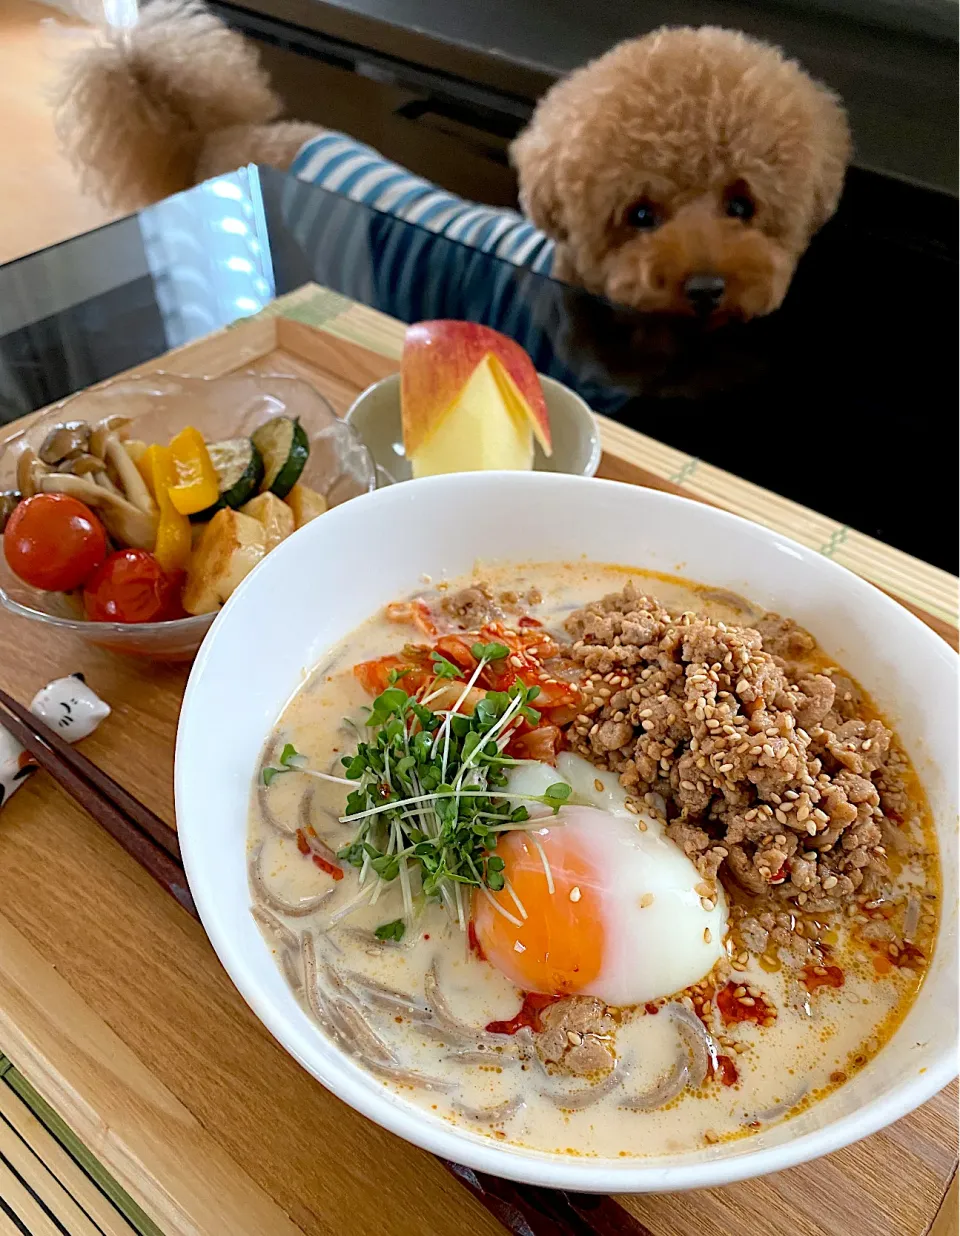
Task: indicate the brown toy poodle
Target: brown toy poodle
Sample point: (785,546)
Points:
(683,172)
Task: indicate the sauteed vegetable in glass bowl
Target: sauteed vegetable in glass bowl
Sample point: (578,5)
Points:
(130,512)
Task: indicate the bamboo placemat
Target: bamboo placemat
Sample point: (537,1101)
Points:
(114,1008)
(48,1179)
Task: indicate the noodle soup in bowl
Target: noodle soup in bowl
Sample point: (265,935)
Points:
(628,955)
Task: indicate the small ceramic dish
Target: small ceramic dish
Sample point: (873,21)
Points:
(375,415)
(160,405)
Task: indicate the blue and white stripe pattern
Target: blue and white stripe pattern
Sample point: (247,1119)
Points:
(341,165)
(439,268)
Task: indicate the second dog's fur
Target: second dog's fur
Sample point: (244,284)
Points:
(683,172)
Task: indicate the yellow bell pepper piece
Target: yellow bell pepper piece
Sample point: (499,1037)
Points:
(196,485)
(173,529)
(145,467)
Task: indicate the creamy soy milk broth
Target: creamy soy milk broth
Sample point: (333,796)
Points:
(496,1084)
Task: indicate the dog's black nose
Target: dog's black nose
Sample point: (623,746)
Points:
(704,292)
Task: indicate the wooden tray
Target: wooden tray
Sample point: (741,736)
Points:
(114,1006)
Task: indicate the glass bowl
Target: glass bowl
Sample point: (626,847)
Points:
(159,405)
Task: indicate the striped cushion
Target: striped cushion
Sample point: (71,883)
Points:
(340,164)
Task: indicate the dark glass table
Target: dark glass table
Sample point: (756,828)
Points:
(844,400)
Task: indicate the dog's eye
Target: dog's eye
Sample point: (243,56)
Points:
(740,206)
(643,216)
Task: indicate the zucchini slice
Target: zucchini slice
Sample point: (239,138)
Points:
(284,446)
(239,468)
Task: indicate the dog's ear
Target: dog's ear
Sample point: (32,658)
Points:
(836,149)
(534,155)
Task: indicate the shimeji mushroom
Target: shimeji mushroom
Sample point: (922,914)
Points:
(9,500)
(30,472)
(127,524)
(106,481)
(83,464)
(105,444)
(64,442)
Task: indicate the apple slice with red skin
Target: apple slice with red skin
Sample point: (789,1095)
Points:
(438,359)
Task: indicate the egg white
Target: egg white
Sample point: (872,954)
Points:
(654,947)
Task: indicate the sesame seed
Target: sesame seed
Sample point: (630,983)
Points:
(575,893)
(573,1038)
(707,936)
(707,904)
(597,784)
(646,901)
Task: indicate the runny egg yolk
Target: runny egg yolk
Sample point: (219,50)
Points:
(602,904)
(558,949)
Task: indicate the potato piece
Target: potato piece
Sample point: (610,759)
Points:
(275,516)
(305,503)
(231,546)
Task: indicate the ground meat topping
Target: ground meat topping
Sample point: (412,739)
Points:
(577,1036)
(772,775)
(479,605)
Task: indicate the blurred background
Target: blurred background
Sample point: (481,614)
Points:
(442,86)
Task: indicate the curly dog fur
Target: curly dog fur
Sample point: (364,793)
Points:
(683,172)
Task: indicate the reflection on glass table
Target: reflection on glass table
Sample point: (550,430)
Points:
(843,400)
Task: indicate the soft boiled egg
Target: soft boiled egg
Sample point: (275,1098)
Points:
(597,900)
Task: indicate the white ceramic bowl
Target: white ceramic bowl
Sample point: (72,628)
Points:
(336,571)
(375,416)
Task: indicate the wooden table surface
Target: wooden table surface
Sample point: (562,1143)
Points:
(115,1007)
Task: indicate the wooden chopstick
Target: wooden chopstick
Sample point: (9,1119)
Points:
(533,1210)
(524,1210)
(142,834)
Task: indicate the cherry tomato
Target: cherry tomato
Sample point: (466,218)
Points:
(131,586)
(54,542)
